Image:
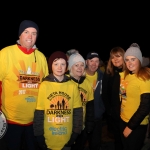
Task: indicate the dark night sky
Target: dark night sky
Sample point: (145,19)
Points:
(84,27)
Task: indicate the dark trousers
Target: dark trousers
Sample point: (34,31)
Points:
(93,138)
(136,139)
(19,137)
(2,144)
(116,132)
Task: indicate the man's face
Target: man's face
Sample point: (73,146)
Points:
(28,37)
(92,64)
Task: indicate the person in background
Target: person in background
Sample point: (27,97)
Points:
(22,69)
(76,66)
(95,75)
(110,94)
(102,66)
(58,118)
(135,96)
(146,62)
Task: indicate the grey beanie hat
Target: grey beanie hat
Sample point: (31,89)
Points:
(134,51)
(72,51)
(26,24)
(74,58)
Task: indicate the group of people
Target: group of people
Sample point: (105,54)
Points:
(49,104)
(58,103)
(126,96)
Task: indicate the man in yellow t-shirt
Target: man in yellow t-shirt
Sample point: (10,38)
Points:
(22,69)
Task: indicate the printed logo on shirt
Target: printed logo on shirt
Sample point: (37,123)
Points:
(29,79)
(58,131)
(123,85)
(3,124)
(83,93)
(59,107)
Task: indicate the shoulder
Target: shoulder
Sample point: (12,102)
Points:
(8,48)
(7,51)
(39,53)
(100,74)
(121,74)
(40,56)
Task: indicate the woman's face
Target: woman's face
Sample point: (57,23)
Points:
(117,60)
(132,63)
(78,69)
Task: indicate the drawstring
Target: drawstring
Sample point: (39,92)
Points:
(35,56)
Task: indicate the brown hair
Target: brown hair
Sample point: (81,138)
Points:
(143,72)
(114,51)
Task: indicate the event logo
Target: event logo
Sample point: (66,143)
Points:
(3,124)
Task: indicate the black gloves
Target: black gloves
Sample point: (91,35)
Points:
(41,142)
(68,145)
(72,139)
(89,126)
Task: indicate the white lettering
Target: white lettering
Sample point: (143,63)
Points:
(25,85)
(21,92)
(58,119)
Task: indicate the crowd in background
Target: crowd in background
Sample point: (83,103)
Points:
(59,102)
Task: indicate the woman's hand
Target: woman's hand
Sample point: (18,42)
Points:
(127,132)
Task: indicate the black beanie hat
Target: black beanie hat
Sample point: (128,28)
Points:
(57,54)
(26,24)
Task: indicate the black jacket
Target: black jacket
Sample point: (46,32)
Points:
(110,93)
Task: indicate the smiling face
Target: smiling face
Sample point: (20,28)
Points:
(28,38)
(77,70)
(59,68)
(132,63)
(117,60)
(92,65)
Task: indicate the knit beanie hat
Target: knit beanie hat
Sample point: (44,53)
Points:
(74,58)
(72,51)
(134,50)
(26,24)
(56,55)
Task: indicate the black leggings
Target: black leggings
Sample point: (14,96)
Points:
(136,139)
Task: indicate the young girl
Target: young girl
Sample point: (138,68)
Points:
(58,115)
(135,94)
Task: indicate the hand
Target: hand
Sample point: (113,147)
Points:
(127,131)
(89,126)
(72,139)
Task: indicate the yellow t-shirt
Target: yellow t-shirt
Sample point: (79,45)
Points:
(92,80)
(130,89)
(21,77)
(58,101)
(86,93)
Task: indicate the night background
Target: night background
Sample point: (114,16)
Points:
(85,26)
